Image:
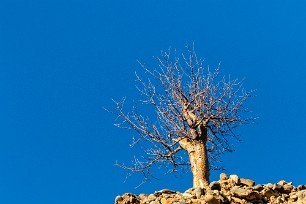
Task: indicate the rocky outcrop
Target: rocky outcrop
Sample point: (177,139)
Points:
(229,189)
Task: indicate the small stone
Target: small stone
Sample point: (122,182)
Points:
(187,195)
(195,201)
(235,178)
(182,202)
(277,187)
(118,199)
(210,199)
(258,188)
(301,187)
(215,185)
(164,201)
(198,192)
(287,188)
(165,191)
(240,192)
(269,193)
(237,200)
(143,197)
(301,197)
(247,182)
(223,176)
(152,197)
(133,199)
(282,182)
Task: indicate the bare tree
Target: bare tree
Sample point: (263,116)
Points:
(194,111)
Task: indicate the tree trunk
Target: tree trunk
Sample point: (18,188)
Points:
(198,160)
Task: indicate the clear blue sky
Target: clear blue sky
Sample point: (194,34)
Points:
(62,61)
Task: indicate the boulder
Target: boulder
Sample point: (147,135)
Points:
(211,199)
(223,176)
(235,178)
(215,185)
(247,182)
(301,197)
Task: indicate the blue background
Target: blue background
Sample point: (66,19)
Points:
(61,62)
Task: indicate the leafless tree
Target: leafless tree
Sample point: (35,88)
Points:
(194,111)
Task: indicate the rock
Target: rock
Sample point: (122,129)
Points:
(188,195)
(301,197)
(143,197)
(133,199)
(210,199)
(238,200)
(165,191)
(152,197)
(235,178)
(190,191)
(118,199)
(240,192)
(282,182)
(269,193)
(258,188)
(287,188)
(293,197)
(301,187)
(166,201)
(247,182)
(223,176)
(277,187)
(215,185)
(195,201)
(180,202)
(198,192)
(226,185)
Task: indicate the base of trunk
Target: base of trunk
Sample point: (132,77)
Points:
(198,160)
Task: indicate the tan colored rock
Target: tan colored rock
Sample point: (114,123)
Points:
(223,176)
(238,200)
(247,182)
(215,185)
(258,188)
(151,197)
(240,192)
(196,201)
(235,178)
(211,199)
(301,187)
(282,182)
(293,197)
(198,192)
(166,200)
(301,197)
(133,199)
(143,197)
(245,193)
(226,185)
(118,199)
(268,193)
(188,195)
(287,188)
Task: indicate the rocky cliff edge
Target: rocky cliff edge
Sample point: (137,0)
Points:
(230,189)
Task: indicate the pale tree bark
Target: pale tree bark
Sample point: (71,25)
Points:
(194,113)
(198,157)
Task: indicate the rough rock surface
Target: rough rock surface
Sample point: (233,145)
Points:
(229,189)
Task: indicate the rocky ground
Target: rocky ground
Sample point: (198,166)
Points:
(230,189)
